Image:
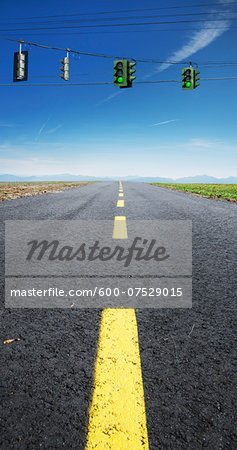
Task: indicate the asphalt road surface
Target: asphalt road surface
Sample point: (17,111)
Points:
(188,356)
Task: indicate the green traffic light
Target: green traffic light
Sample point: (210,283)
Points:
(120,79)
(188,84)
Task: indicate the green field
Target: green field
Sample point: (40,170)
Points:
(221,191)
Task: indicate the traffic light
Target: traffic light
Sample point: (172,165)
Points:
(131,70)
(120,73)
(196,73)
(20,69)
(65,68)
(188,80)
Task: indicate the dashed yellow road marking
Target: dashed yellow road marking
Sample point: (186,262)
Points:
(120,203)
(117,418)
(120,228)
(120,194)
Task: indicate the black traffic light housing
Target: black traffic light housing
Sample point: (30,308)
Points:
(20,69)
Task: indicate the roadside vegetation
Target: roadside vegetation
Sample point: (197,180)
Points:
(12,190)
(221,191)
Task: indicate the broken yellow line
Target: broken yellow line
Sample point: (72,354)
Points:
(120,195)
(117,418)
(120,203)
(120,228)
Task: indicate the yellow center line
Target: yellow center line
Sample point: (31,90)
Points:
(120,228)
(120,203)
(120,194)
(117,418)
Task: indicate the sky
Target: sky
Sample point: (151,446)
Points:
(151,129)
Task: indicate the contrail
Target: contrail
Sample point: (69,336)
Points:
(41,129)
(108,98)
(162,123)
(54,129)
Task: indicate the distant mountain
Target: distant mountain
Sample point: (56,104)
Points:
(68,177)
(207,179)
(59,177)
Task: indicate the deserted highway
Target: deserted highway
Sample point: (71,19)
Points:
(186,356)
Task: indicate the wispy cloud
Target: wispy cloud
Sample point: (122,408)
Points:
(7,124)
(54,129)
(42,128)
(108,98)
(198,144)
(163,123)
(200,39)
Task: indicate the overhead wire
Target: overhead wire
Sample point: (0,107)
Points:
(128,10)
(147,60)
(108,83)
(119,24)
(84,53)
(215,66)
(75,32)
(127,18)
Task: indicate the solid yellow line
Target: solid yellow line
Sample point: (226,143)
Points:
(120,203)
(120,228)
(117,418)
(120,195)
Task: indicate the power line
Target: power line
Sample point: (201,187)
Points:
(178,81)
(72,75)
(110,83)
(121,31)
(123,18)
(118,24)
(221,78)
(205,66)
(85,84)
(127,10)
(138,71)
(87,53)
(152,60)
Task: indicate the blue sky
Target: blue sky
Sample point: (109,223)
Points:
(148,130)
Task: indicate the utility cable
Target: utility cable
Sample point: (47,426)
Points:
(110,82)
(129,10)
(118,24)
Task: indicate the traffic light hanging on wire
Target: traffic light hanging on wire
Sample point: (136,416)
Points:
(65,68)
(120,73)
(124,73)
(131,70)
(20,69)
(189,78)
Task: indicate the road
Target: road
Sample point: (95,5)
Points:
(188,356)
